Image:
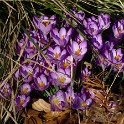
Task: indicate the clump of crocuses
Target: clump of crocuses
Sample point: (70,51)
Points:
(61,49)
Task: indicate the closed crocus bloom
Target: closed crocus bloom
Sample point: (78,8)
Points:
(25,89)
(85,73)
(44,23)
(79,39)
(108,45)
(91,25)
(70,96)
(57,101)
(27,72)
(61,77)
(97,41)
(43,38)
(118,29)
(62,36)
(79,15)
(39,68)
(104,21)
(56,54)
(21,101)
(41,83)
(6,90)
(78,50)
(30,47)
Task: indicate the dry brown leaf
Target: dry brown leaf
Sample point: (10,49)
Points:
(121,119)
(32,117)
(41,105)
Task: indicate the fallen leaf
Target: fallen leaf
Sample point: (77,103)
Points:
(41,105)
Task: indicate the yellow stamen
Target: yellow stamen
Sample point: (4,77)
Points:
(41,84)
(25,90)
(48,69)
(22,102)
(118,66)
(31,47)
(66,64)
(83,104)
(120,31)
(56,55)
(61,80)
(45,24)
(56,102)
(62,37)
(79,41)
(69,99)
(117,57)
(30,74)
(5,90)
(78,52)
(85,75)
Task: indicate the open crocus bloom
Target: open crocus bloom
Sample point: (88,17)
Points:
(56,54)
(25,89)
(82,100)
(6,90)
(61,78)
(78,50)
(61,37)
(40,82)
(44,23)
(57,101)
(116,55)
(21,101)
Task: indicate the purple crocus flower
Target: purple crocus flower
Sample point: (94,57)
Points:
(61,37)
(21,101)
(104,21)
(56,53)
(118,29)
(39,68)
(65,63)
(82,100)
(79,39)
(61,77)
(43,38)
(41,82)
(97,41)
(27,72)
(6,90)
(78,50)
(70,96)
(104,59)
(25,89)
(116,56)
(79,15)
(85,73)
(108,45)
(30,47)
(57,101)
(44,23)
(91,25)
(112,107)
